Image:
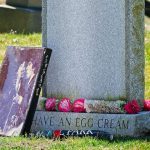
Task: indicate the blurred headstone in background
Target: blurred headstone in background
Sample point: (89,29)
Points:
(23,16)
(25,3)
(2,1)
(147,8)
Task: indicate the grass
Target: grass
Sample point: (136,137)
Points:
(86,143)
(147,65)
(18,40)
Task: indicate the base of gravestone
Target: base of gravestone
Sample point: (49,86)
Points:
(117,124)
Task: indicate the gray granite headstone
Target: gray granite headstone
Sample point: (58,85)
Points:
(98,48)
(98,53)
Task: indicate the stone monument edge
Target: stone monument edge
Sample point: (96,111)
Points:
(134,57)
(44,39)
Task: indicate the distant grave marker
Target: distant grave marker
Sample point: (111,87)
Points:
(26,13)
(25,3)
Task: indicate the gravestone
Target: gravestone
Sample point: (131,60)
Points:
(98,48)
(98,54)
(147,8)
(21,77)
(26,13)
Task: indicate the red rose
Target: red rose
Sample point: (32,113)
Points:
(132,107)
(147,105)
(78,105)
(56,133)
(50,104)
(65,105)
